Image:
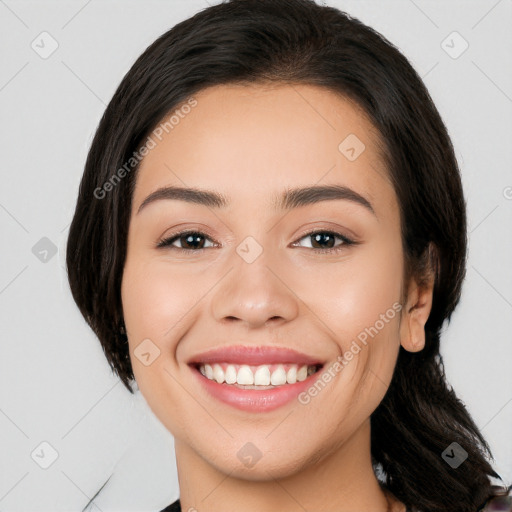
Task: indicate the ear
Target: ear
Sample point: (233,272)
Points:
(415,314)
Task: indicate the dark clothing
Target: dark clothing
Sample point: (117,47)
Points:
(499,503)
(173,507)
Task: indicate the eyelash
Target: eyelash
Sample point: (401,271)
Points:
(166,242)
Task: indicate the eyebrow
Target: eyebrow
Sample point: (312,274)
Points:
(291,198)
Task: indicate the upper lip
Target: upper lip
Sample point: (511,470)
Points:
(253,355)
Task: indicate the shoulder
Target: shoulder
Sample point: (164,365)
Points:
(501,503)
(173,507)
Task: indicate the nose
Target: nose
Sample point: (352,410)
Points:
(255,294)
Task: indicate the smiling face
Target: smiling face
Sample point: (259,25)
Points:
(253,276)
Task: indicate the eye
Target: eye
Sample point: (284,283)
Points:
(192,239)
(320,237)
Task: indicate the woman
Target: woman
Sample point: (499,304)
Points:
(293,375)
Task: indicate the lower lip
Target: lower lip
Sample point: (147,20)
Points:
(255,400)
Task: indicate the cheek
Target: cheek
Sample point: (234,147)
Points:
(357,293)
(158,304)
(155,297)
(360,306)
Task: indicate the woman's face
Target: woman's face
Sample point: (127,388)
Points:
(253,277)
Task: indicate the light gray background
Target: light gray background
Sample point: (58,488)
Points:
(56,385)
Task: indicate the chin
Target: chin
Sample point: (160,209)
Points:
(269,466)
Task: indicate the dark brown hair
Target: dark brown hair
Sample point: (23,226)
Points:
(298,41)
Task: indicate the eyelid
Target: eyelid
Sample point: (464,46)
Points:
(347,240)
(168,239)
(166,242)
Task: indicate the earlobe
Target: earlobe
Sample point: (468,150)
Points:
(415,316)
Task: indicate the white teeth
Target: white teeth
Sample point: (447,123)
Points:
(291,375)
(245,376)
(230,374)
(302,373)
(256,376)
(278,377)
(262,376)
(218,373)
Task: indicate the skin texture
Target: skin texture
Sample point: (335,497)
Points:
(251,143)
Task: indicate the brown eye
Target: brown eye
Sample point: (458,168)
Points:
(324,241)
(323,238)
(189,240)
(193,241)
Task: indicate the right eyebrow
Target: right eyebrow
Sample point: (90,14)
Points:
(291,198)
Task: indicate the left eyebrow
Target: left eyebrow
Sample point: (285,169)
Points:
(291,198)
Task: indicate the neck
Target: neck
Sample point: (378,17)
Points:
(343,481)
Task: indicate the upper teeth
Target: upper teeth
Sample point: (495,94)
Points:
(256,375)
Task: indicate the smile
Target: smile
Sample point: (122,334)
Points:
(254,379)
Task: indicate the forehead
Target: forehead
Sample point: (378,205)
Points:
(249,142)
